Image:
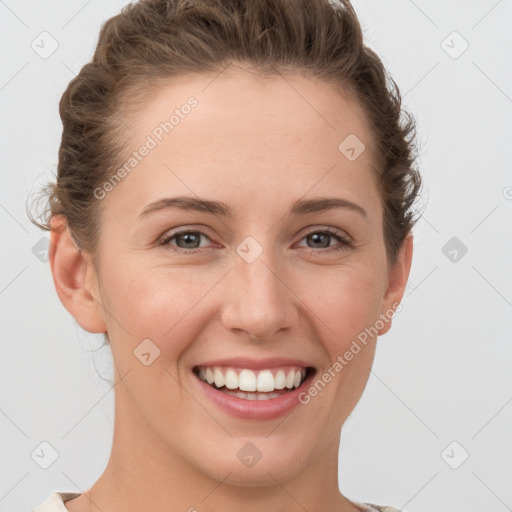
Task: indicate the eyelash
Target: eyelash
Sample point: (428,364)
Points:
(345,242)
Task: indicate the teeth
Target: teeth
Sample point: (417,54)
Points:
(247,382)
(298,378)
(231,379)
(265,381)
(290,379)
(219,377)
(253,396)
(280,380)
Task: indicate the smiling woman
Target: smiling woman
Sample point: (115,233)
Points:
(243,268)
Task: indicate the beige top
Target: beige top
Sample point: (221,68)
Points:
(55,503)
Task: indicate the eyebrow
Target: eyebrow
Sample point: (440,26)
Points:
(300,207)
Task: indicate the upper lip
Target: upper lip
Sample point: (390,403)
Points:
(256,364)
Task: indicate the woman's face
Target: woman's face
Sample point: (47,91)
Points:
(267,287)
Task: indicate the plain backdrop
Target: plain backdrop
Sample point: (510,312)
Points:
(432,431)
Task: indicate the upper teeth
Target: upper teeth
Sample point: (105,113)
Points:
(249,380)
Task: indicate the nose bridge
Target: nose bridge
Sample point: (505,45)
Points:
(258,302)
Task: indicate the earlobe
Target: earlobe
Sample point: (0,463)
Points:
(74,278)
(398,277)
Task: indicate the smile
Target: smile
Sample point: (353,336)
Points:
(247,384)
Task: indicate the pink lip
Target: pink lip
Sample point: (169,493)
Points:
(256,409)
(256,364)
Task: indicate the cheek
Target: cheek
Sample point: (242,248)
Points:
(346,300)
(343,306)
(155,303)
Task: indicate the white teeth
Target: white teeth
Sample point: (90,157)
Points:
(265,381)
(252,396)
(280,380)
(290,378)
(298,378)
(219,377)
(231,379)
(246,380)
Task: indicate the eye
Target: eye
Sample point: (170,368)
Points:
(323,236)
(186,240)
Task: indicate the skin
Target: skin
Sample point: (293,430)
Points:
(255,144)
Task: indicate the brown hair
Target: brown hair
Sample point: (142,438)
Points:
(152,41)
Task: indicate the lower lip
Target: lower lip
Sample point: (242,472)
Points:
(256,409)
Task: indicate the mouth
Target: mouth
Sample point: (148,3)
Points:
(248,384)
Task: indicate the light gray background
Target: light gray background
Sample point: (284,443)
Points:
(442,374)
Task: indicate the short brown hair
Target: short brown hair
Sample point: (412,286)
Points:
(154,40)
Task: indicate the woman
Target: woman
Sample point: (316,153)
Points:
(234,210)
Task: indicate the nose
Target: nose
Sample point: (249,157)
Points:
(258,300)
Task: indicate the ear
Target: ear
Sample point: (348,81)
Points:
(397,281)
(75,278)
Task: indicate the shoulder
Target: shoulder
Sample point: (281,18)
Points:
(386,508)
(372,507)
(55,502)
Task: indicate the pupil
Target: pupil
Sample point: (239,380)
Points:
(315,237)
(188,237)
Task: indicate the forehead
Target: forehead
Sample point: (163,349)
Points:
(238,131)
(238,102)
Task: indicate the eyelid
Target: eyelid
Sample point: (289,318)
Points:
(345,241)
(327,229)
(165,239)
(196,228)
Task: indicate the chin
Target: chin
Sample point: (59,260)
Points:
(274,463)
